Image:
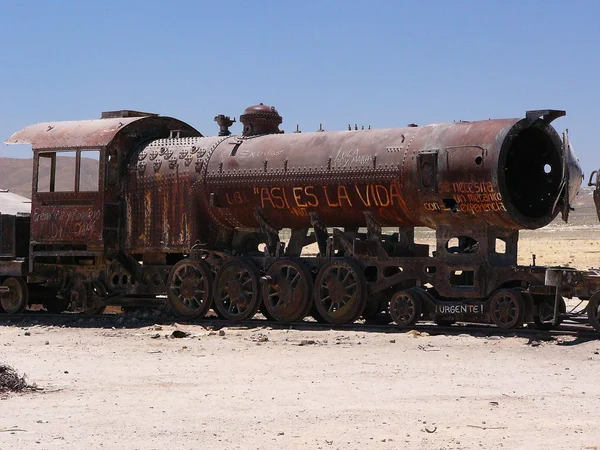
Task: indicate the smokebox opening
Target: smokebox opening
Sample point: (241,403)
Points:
(532,174)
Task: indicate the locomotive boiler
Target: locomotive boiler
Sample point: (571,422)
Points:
(225,221)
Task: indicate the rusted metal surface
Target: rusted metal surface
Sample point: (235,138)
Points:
(166,205)
(78,217)
(81,133)
(180,214)
(260,119)
(456,173)
(13,267)
(91,133)
(14,236)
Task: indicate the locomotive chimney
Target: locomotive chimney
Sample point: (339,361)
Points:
(260,119)
(224,123)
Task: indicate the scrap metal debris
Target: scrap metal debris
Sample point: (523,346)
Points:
(11,381)
(428,348)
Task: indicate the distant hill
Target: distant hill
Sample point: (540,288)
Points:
(15,174)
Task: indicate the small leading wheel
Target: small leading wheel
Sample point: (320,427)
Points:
(593,311)
(287,298)
(237,292)
(189,289)
(405,307)
(507,308)
(18,296)
(340,292)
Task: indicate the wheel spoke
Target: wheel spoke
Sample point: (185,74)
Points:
(348,274)
(295,279)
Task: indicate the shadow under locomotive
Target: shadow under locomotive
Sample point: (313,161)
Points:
(154,321)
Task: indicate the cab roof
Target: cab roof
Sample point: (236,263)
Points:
(100,132)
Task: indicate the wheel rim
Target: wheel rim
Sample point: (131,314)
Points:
(237,296)
(507,309)
(339,292)
(189,289)
(18,297)
(287,297)
(405,308)
(188,286)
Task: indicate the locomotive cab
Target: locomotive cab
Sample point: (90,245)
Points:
(77,208)
(67,201)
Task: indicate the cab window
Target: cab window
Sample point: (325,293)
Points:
(46,172)
(88,171)
(57,171)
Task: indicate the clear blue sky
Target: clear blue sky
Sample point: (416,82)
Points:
(379,63)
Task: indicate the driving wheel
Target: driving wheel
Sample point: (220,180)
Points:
(236,292)
(190,289)
(340,292)
(287,297)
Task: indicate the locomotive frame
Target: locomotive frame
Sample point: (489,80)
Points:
(161,221)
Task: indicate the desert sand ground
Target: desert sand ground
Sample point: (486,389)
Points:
(123,382)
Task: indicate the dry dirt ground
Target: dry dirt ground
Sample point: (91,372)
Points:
(125,383)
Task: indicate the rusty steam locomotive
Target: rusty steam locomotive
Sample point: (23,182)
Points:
(224,222)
